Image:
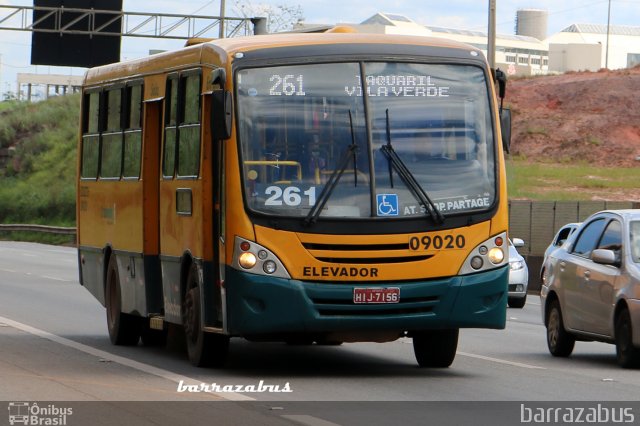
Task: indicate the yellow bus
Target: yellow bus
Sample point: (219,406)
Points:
(303,188)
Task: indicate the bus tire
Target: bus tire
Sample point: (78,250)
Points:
(435,348)
(204,349)
(124,329)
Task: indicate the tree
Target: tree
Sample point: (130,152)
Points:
(279,18)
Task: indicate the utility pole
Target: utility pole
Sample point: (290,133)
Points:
(606,55)
(221,33)
(491,39)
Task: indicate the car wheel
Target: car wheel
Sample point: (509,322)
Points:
(435,348)
(559,341)
(628,356)
(517,302)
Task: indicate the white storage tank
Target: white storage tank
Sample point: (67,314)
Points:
(532,23)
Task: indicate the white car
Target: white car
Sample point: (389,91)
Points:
(561,236)
(518,275)
(559,239)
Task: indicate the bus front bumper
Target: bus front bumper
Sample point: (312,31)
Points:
(261,305)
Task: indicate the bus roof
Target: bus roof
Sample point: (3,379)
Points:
(244,44)
(219,51)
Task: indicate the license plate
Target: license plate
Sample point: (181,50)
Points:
(376,295)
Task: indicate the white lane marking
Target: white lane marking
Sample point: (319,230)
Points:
(146,368)
(308,420)
(9,270)
(501,361)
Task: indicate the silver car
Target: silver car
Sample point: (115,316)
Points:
(591,287)
(518,276)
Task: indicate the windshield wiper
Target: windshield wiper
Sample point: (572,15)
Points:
(351,151)
(408,178)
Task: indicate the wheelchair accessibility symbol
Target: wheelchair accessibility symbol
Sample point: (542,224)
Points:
(387,204)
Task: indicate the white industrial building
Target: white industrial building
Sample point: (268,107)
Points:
(589,47)
(578,47)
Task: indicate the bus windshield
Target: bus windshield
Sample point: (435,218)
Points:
(319,131)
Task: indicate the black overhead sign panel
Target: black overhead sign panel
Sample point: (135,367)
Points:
(54,43)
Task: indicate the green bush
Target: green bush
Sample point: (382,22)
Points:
(38,181)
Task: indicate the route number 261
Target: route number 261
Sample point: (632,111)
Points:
(290,196)
(288,85)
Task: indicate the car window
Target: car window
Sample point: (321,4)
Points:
(563,235)
(634,228)
(588,238)
(612,237)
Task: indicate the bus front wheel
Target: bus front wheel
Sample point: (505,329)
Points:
(124,329)
(435,348)
(205,349)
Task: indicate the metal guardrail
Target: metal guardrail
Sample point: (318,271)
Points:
(60,230)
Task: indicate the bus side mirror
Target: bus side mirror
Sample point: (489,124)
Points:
(501,78)
(505,125)
(221,114)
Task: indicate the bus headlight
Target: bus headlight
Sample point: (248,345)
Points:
(476,262)
(247,260)
(496,255)
(489,254)
(269,267)
(251,257)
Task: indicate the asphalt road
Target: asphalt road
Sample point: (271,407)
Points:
(54,346)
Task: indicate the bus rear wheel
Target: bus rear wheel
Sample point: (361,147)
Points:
(435,348)
(204,349)
(124,329)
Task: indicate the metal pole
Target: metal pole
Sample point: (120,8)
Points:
(606,55)
(491,40)
(221,33)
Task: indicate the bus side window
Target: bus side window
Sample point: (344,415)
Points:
(189,126)
(111,158)
(182,126)
(90,135)
(170,130)
(133,132)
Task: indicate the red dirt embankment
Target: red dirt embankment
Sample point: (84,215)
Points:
(589,117)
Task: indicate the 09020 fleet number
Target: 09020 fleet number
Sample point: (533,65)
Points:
(437,242)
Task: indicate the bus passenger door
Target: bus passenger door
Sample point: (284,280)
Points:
(150,215)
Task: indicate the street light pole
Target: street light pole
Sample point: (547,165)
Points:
(491,39)
(606,55)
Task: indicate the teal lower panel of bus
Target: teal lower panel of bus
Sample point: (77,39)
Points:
(261,305)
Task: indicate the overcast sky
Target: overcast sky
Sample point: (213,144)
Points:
(464,14)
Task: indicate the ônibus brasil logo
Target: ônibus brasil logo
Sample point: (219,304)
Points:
(27,413)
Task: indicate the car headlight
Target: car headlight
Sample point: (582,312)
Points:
(516,265)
